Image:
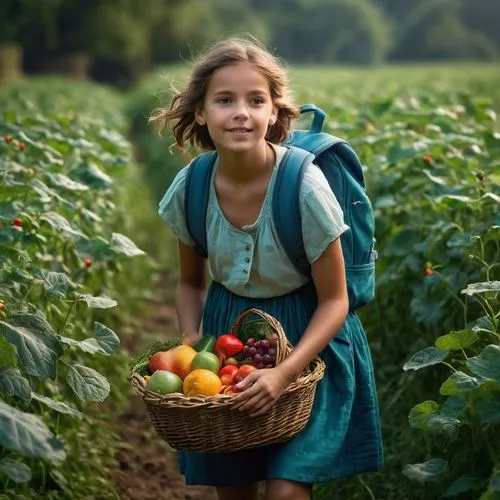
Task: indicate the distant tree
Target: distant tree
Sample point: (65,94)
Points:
(435,31)
(316,31)
(482,16)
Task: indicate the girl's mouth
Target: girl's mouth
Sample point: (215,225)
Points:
(239,130)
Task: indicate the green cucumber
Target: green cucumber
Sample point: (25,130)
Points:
(206,343)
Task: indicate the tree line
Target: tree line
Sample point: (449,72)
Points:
(118,40)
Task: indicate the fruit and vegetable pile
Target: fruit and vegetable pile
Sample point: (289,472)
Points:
(212,366)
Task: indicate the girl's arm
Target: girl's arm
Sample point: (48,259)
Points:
(328,273)
(191,291)
(262,388)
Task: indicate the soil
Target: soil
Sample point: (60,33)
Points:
(146,466)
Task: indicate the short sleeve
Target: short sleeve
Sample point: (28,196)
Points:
(171,208)
(322,216)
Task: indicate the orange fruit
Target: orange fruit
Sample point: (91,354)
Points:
(201,382)
(181,359)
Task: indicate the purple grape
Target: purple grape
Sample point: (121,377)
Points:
(259,366)
(271,351)
(260,351)
(251,351)
(265,344)
(273,339)
(258,344)
(246,351)
(266,359)
(257,358)
(250,342)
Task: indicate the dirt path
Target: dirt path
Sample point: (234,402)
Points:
(146,465)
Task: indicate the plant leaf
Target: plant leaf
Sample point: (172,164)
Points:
(487,364)
(483,287)
(429,471)
(17,471)
(56,285)
(488,408)
(37,346)
(58,406)
(455,341)
(25,433)
(87,384)
(64,182)
(60,224)
(13,383)
(426,357)
(123,245)
(458,383)
(96,302)
(464,484)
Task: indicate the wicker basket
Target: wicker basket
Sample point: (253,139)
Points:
(208,424)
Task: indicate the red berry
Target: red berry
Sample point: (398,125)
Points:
(8,138)
(427,159)
(21,146)
(428,271)
(87,262)
(17,222)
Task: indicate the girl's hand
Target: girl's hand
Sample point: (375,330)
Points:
(190,338)
(261,389)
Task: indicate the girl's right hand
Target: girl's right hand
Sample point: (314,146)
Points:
(190,337)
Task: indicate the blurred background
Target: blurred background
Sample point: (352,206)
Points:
(117,41)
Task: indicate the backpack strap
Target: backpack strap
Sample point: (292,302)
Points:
(286,209)
(196,199)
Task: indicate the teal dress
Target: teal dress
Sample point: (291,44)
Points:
(249,268)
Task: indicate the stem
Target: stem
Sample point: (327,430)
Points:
(366,487)
(449,366)
(465,355)
(451,291)
(66,318)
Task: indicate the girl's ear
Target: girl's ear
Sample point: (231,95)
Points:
(274,116)
(199,116)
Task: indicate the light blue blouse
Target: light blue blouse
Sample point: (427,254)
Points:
(251,261)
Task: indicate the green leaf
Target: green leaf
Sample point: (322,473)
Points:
(105,341)
(429,471)
(37,346)
(96,302)
(13,383)
(60,224)
(458,383)
(426,357)
(488,408)
(421,413)
(485,286)
(7,353)
(464,484)
(92,176)
(56,285)
(64,182)
(123,245)
(58,406)
(26,434)
(487,364)
(17,471)
(87,384)
(455,341)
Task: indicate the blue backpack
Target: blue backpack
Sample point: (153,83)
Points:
(341,167)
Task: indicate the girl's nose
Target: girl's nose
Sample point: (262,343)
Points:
(241,112)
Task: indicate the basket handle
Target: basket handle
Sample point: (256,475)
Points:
(283,346)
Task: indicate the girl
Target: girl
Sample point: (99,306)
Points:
(236,102)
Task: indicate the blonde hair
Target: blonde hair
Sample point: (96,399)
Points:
(190,98)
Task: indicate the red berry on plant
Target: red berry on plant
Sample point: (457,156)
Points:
(427,159)
(428,271)
(87,262)
(21,146)
(7,138)
(17,222)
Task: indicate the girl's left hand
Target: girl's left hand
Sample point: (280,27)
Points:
(261,389)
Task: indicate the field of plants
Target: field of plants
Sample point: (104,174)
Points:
(82,255)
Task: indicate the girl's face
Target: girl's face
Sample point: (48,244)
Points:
(238,108)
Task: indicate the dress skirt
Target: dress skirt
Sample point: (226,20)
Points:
(342,437)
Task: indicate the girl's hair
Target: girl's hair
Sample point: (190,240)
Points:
(225,53)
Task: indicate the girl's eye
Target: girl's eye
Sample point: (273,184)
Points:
(257,100)
(224,100)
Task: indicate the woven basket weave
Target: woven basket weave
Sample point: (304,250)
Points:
(208,424)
